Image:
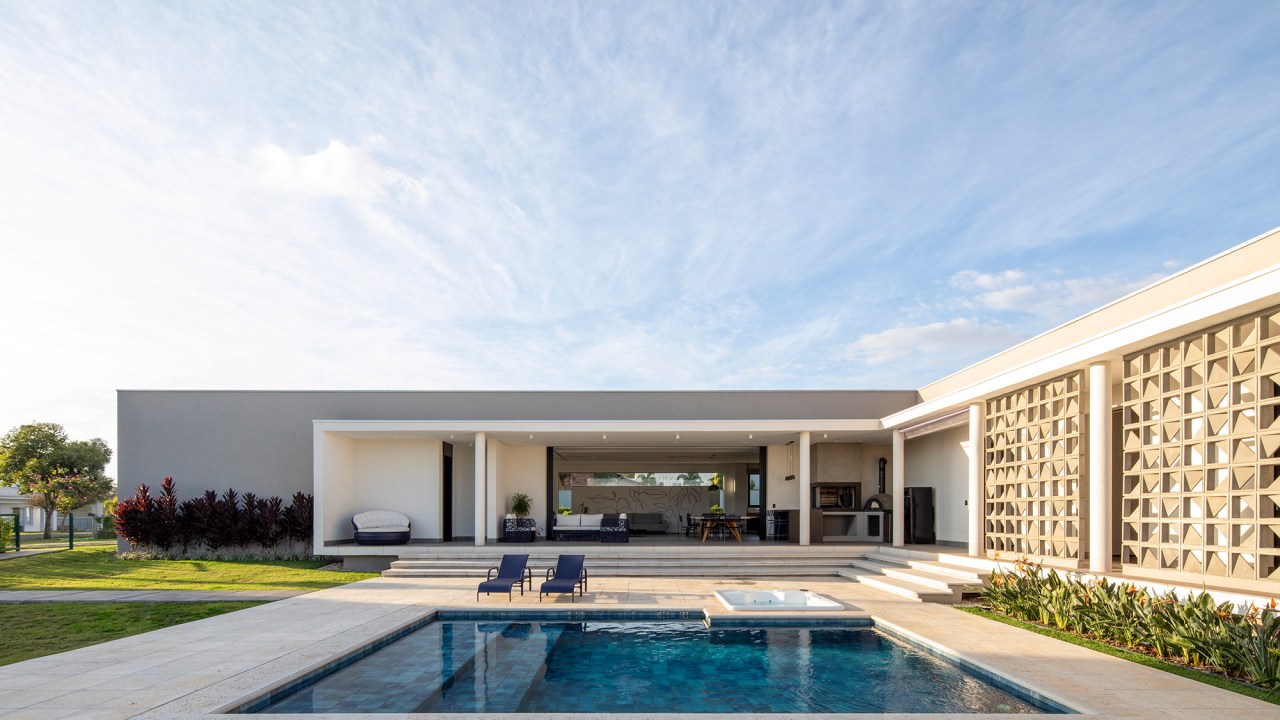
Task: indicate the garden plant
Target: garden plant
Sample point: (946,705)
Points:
(226,525)
(1195,631)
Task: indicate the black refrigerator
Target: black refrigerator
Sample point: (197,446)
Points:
(918,515)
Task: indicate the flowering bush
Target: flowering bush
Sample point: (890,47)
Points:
(1196,631)
(207,524)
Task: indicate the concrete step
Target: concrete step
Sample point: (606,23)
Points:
(964,565)
(723,564)
(968,575)
(900,587)
(918,576)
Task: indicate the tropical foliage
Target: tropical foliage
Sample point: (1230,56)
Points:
(689,478)
(211,524)
(6,532)
(56,473)
(521,505)
(1196,631)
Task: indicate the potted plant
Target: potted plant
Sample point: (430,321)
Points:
(520,528)
(717,510)
(565,510)
(521,505)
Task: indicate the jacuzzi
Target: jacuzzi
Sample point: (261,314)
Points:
(759,600)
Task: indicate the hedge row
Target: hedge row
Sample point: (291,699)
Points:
(229,523)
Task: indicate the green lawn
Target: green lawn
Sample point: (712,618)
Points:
(36,630)
(97,568)
(1137,657)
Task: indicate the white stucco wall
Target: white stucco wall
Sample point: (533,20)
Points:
(400,475)
(938,461)
(334,501)
(524,469)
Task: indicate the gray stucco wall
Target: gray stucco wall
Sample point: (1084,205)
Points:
(261,441)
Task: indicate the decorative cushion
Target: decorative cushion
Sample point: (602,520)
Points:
(592,521)
(381,520)
(569,521)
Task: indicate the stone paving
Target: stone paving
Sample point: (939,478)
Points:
(204,668)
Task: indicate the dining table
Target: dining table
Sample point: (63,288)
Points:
(728,523)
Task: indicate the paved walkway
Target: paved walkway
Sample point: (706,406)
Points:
(15,554)
(53,596)
(197,670)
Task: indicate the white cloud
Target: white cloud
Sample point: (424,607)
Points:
(961,338)
(336,171)
(969,279)
(1049,295)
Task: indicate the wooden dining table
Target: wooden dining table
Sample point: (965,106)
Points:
(729,522)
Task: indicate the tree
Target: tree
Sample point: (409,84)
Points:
(689,478)
(54,472)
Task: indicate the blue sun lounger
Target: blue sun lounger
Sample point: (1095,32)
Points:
(567,576)
(511,571)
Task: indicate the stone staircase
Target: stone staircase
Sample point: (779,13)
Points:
(907,572)
(917,575)
(783,561)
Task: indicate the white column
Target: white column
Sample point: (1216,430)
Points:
(1099,517)
(494,508)
(977,454)
(805,494)
(482,456)
(899,490)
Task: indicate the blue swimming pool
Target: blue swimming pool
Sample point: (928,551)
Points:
(651,666)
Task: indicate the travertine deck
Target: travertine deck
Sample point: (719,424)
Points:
(195,670)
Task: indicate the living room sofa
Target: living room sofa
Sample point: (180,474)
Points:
(645,523)
(585,527)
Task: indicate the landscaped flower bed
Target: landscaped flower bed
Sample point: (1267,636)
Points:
(1195,631)
(227,525)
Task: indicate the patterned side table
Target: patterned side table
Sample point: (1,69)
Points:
(519,530)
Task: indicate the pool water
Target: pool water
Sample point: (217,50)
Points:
(653,667)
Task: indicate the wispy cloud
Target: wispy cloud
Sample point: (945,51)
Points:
(959,338)
(1048,295)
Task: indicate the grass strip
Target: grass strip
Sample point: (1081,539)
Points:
(38,629)
(1218,681)
(98,568)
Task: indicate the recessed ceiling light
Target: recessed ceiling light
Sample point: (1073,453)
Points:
(750,436)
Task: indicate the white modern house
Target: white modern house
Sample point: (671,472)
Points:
(31,518)
(1141,438)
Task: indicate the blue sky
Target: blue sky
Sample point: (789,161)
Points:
(608,195)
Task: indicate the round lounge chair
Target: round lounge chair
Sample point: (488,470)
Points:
(381,527)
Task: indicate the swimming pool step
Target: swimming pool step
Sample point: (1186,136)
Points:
(902,588)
